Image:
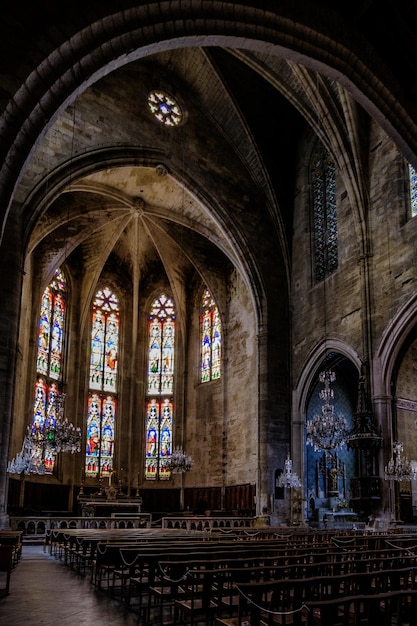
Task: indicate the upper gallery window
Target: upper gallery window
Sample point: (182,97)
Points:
(48,397)
(211,338)
(51,327)
(165,108)
(160,400)
(323,180)
(413,189)
(102,396)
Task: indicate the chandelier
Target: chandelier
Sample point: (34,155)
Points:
(44,440)
(179,462)
(399,467)
(289,478)
(57,433)
(25,462)
(327,431)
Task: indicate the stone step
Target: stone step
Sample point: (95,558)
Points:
(31,540)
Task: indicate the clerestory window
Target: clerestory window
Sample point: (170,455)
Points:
(323,181)
(211,338)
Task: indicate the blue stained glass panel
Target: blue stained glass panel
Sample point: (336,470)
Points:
(210,337)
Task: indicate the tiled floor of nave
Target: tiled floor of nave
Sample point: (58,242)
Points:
(43,592)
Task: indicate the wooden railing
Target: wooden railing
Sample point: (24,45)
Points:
(202,522)
(39,525)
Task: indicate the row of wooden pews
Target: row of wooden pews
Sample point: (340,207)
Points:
(10,554)
(262,579)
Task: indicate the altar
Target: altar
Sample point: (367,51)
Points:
(342,518)
(110,508)
(108,503)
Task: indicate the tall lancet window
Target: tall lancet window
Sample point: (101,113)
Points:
(49,365)
(413,189)
(211,338)
(160,400)
(102,396)
(323,180)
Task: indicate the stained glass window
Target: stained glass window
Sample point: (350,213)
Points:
(413,189)
(323,178)
(160,402)
(102,398)
(48,386)
(51,327)
(164,108)
(211,338)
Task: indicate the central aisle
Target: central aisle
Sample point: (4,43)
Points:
(43,592)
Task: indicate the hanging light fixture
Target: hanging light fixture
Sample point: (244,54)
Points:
(399,467)
(55,435)
(327,431)
(179,462)
(289,478)
(25,462)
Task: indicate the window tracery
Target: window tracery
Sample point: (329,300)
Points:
(102,397)
(412,173)
(49,364)
(160,400)
(211,338)
(323,179)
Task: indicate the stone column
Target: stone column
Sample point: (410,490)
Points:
(262,498)
(383,414)
(11,265)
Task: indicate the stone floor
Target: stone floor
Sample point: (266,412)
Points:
(43,592)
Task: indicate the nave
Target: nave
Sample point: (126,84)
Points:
(266,578)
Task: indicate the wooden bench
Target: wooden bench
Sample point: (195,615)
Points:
(397,607)
(13,538)
(133,570)
(6,566)
(328,601)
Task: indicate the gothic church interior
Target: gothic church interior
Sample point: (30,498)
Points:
(244,164)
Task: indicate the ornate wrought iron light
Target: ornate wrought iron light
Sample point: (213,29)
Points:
(179,462)
(364,434)
(327,431)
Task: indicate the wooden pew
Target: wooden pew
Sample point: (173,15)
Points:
(325,601)
(6,566)
(13,538)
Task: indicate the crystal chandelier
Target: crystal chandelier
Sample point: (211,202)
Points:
(25,462)
(327,431)
(179,462)
(43,441)
(57,433)
(289,478)
(399,467)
